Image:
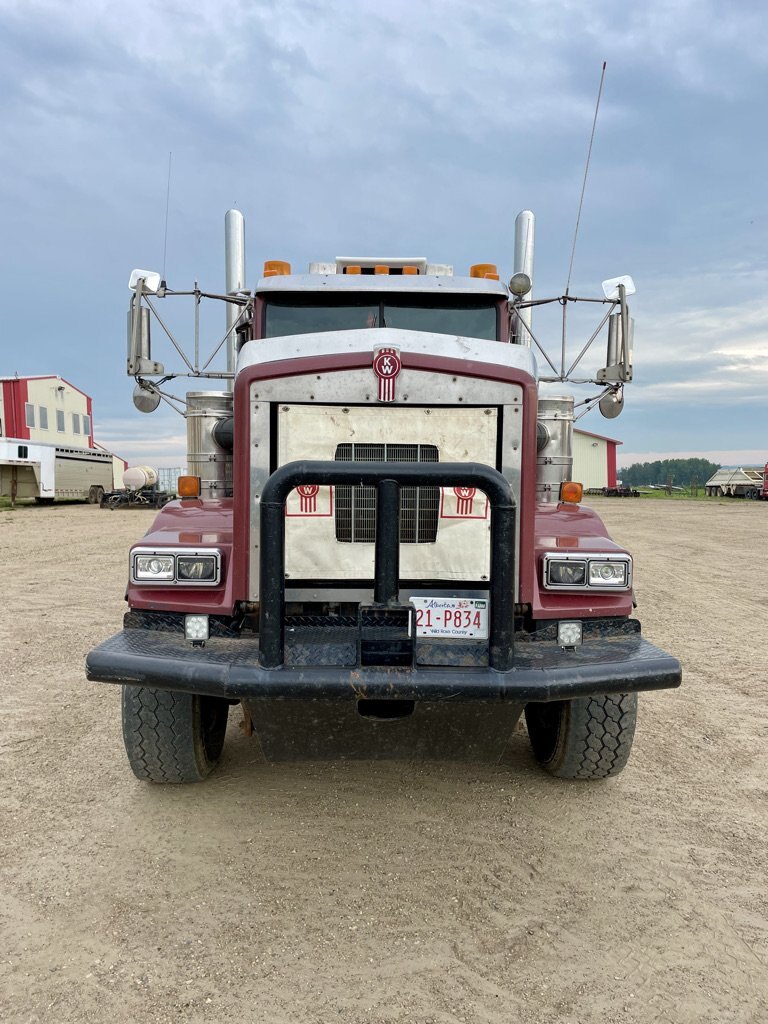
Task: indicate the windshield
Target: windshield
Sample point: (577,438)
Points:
(449,314)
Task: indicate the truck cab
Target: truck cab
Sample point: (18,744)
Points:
(382,553)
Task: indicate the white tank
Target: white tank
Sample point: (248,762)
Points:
(554,457)
(137,477)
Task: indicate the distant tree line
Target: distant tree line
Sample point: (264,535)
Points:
(679,472)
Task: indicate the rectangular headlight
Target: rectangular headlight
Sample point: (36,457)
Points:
(562,572)
(197,568)
(608,574)
(187,567)
(587,572)
(153,568)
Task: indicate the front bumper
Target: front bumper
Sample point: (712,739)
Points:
(230,667)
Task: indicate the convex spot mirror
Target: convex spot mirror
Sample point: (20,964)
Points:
(611,405)
(146,399)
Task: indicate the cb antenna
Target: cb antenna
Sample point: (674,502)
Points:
(584,182)
(167,204)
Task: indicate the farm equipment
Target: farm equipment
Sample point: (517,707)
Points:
(613,492)
(378,550)
(747,482)
(140,490)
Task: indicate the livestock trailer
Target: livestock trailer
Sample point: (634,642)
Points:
(49,473)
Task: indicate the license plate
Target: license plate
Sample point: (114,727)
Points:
(455,618)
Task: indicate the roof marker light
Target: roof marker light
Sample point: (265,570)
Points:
(352,270)
(485,270)
(410,270)
(276,268)
(381,269)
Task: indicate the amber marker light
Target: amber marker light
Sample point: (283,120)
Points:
(380,269)
(276,268)
(353,270)
(410,270)
(188,486)
(571,492)
(486,270)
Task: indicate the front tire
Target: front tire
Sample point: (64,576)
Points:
(584,738)
(172,737)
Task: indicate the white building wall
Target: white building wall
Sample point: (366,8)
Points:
(57,413)
(590,460)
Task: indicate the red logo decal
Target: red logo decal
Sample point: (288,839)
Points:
(308,498)
(387,366)
(465,496)
(462,503)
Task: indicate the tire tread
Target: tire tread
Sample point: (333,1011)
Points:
(159,731)
(594,737)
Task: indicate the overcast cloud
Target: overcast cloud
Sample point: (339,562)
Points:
(394,128)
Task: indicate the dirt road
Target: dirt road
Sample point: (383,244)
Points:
(386,892)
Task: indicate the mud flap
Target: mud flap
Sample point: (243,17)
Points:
(291,730)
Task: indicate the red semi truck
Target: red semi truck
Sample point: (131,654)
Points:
(378,550)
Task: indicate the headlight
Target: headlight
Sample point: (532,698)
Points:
(196,568)
(587,572)
(566,573)
(182,566)
(608,574)
(153,567)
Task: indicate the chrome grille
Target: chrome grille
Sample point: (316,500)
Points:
(355,507)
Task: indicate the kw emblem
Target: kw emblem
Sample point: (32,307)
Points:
(387,366)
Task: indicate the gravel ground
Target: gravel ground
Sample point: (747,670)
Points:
(386,892)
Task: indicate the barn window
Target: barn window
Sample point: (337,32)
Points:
(29,412)
(60,421)
(86,424)
(43,413)
(75,423)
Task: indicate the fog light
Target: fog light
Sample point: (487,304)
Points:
(569,634)
(196,627)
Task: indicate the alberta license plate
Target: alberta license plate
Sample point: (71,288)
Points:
(457,618)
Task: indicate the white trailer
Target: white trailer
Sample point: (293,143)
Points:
(50,473)
(738,482)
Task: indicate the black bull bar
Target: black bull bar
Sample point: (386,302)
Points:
(387,478)
(254,668)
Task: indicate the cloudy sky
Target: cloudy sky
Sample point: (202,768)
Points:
(394,127)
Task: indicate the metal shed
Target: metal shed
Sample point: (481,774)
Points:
(594,459)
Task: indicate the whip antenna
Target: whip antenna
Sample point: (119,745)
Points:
(584,182)
(167,204)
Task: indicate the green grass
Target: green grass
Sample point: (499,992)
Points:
(682,496)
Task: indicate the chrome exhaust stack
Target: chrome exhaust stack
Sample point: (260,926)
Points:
(525,224)
(234,278)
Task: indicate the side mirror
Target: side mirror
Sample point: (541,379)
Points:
(139,351)
(618,358)
(151,283)
(612,287)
